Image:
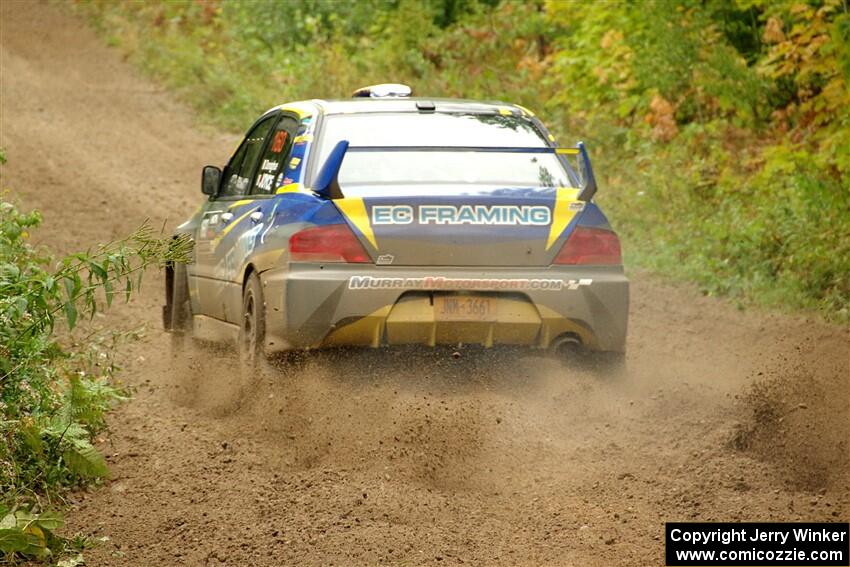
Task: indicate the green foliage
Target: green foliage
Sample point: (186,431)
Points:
(53,398)
(725,152)
(719,129)
(29,534)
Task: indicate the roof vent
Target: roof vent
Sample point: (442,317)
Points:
(386,90)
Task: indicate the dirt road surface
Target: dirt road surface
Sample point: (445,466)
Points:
(394,458)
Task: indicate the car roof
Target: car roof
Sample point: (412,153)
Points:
(408,104)
(399,104)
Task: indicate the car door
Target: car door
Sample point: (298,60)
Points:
(228,219)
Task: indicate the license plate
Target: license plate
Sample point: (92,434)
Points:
(464,308)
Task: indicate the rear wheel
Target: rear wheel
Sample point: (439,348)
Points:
(181,309)
(252,327)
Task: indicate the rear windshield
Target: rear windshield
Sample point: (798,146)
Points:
(439,172)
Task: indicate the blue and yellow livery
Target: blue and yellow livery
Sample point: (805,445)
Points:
(387,220)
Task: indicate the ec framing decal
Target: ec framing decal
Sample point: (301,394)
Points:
(501,215)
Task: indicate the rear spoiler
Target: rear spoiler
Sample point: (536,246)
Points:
(585,170)
(326,183)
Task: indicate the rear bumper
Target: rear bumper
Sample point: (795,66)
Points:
(314,306)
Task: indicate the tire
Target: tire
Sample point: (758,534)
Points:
(181,309)
(252,324)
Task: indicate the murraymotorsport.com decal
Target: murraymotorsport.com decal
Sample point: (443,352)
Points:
(481,284)
(534,215)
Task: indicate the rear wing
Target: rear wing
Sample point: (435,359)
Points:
(575,159)
(583,167)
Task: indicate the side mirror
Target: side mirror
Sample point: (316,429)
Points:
(210,180)
(326,183)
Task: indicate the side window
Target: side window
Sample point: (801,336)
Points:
(240,170)
(276,155)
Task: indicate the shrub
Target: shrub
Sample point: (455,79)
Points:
(54,394)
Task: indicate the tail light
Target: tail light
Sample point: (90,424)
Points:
(590,246)
(330,243)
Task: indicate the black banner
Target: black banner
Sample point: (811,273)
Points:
(757,544)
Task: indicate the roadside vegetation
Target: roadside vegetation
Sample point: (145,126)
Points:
(56,385)
(719,129)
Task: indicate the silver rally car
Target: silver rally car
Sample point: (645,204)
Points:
(391,220)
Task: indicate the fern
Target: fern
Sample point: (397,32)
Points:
(83,460)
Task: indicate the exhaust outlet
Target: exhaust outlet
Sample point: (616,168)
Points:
(567,345)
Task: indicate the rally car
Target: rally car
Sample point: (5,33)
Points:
(391,220)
